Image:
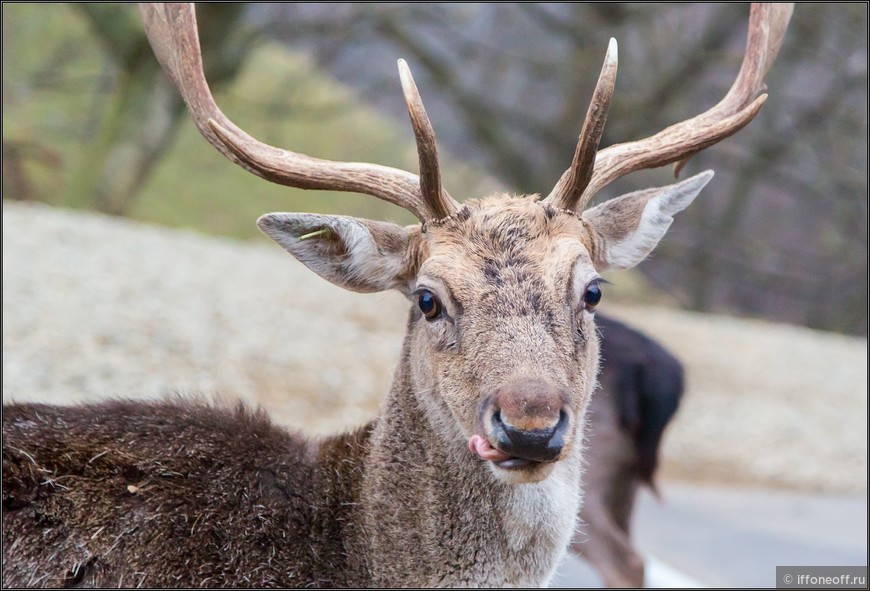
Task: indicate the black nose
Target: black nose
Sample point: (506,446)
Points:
(539,445)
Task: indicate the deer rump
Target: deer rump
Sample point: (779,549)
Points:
(645,382)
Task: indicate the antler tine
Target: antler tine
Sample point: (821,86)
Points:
(767,27)
(568,192)
(172,31)
(677,143)
(441,204)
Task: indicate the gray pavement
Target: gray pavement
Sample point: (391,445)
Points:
(716,536)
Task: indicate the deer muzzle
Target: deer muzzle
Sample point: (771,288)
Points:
(523,423)
(537,445)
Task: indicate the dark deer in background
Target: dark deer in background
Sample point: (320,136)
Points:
(470,475)
(640,387)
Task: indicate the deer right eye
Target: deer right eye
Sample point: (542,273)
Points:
(429,304)
(592,296)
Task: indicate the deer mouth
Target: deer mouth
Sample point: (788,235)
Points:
(480,445)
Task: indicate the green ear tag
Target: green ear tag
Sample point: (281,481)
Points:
(321,232)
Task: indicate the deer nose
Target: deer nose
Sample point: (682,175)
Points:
(528,418)
(539,445)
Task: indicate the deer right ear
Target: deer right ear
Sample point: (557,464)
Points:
(627,228)
(359,255)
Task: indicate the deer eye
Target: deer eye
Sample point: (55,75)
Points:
(429,304)
(592,295)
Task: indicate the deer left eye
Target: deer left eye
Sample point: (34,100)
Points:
(429,304)
(592,296)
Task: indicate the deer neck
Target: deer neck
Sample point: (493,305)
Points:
(436,515)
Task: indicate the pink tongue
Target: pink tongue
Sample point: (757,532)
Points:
(481,447)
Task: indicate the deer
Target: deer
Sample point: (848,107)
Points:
(640,387)
(470,475)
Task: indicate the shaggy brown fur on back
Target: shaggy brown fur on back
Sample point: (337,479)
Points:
(186,495)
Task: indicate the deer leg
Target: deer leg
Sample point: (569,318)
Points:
(607,547)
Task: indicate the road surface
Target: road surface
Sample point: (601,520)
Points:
(715,536)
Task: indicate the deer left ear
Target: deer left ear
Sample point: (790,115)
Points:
(627,228)
(356,254)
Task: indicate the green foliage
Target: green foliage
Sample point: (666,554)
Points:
(54,77)
(58,84)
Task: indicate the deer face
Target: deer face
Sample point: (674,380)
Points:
(502,343)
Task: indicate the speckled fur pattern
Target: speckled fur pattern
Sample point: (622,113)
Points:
(437,516)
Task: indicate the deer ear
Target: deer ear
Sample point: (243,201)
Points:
(627,228)
(359,255)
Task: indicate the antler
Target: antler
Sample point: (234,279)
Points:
(568,191)
(172,31)
(679,142)
(430,171)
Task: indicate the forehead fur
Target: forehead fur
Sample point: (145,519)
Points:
(512,255)
(502,225)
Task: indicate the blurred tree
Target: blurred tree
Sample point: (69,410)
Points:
(16,156)
(782,231)
(143,111)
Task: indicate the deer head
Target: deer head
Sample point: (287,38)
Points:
(501,347)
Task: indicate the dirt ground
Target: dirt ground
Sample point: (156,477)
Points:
(96,307)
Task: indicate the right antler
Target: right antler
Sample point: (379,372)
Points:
(172,31)
(679,142)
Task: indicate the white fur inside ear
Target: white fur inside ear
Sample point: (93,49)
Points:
(654,222)
(345,253)
(679,196)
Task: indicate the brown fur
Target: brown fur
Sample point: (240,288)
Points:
(175,493)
